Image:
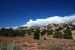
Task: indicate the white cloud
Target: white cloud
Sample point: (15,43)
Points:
(15,27)
(50,20)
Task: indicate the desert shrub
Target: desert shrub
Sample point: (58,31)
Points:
(60,28)
(12,33)
(31,30)
(37,34)
(9,45)
(43,32)
(67,34)
(49,27)
(2,31)
(23,32)
(9,32)
(19,33)
(67,31)
(56,29)
(49,32)
(28,32)
(73,27)
(57,34)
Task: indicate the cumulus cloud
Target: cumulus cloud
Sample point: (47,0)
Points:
(50,20)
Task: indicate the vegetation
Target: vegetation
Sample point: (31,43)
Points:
(21,32)
(60,28)
(43,32)
(67,34)
(37,34)
(29,31)
(57,34)
(9,45)
(49,32)
(12,33)
(73,27)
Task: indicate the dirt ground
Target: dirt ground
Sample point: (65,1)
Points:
(28,43)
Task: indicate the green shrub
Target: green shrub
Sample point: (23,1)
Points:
(12,33)
(73,27)
(60,28)
(57,34)
(49,32)
(67,34)
(37,34)
(67,31)
(43,32)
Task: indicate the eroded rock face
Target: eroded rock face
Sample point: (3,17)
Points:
(73,34)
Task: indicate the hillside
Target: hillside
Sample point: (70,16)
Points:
(58,36)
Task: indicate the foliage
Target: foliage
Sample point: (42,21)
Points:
(73,27)
(60,28)
(43,32)
(67,34)
(49,32)
(57,34)
(29,31)
(12,33)
(37,34)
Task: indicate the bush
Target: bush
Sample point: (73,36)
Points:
(37,34)
(60,28)
(73,27)
(43,32)
(12,33)
(67,34)
(57,34)
(49,32)
(5,32)
(23,32)
(29,32)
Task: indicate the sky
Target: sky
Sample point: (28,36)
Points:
(19,12)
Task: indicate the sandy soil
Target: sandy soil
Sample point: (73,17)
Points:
(28,43)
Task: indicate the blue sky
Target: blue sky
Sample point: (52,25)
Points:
(18,12)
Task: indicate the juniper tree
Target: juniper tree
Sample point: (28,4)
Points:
(37,34)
